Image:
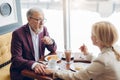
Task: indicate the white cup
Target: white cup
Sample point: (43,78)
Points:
(52,64)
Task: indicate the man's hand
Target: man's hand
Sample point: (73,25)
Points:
(40,68)
(47,40)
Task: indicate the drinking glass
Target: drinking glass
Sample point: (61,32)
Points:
(68,55)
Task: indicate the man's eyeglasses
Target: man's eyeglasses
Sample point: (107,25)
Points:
(40,20)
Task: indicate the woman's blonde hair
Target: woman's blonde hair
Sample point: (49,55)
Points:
(107,34)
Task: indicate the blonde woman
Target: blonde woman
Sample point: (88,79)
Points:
(107,65)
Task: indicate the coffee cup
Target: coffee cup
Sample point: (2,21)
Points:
(52,64)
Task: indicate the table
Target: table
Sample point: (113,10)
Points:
(33,75)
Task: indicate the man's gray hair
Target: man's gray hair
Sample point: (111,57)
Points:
(33,10)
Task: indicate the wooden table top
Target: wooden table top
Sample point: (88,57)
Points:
(33,75)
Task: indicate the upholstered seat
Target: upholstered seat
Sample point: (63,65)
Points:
(5,56)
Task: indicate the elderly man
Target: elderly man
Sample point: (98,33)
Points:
(28,45)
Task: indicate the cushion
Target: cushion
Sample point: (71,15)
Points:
(5,55)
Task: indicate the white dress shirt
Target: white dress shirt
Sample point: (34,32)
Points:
(35,40)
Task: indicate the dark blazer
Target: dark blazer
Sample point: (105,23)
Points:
(23,52)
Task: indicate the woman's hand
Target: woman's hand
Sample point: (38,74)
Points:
(49,71)
(84,49)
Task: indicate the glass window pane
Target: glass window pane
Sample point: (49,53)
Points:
(54,15)
(83,14)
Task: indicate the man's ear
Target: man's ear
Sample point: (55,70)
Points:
(41,23)
(28,19)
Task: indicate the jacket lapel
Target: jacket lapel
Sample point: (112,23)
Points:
(41,35)
(29,39)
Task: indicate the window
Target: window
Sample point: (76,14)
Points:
(83,15)
(54,15)
(81,19)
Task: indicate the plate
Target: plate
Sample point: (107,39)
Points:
(54,68)
(76,67)
(54,57)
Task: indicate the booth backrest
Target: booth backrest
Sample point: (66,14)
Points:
(5,56)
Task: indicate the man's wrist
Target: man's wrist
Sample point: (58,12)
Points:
(34,64)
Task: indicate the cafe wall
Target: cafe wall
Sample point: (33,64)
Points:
(10,15)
